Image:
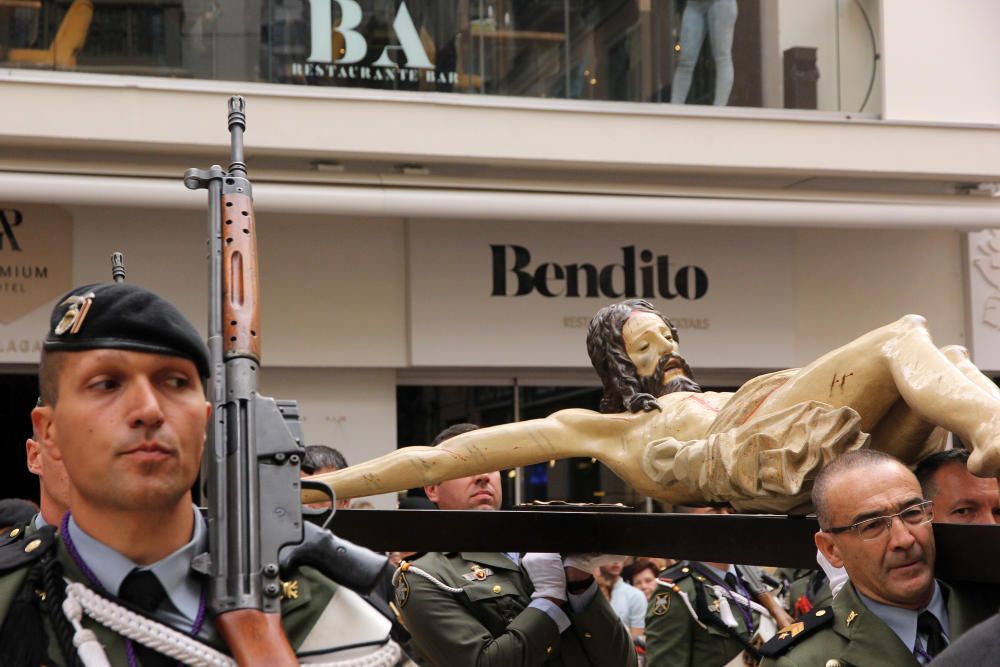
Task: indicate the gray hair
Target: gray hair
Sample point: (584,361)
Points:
(856,460)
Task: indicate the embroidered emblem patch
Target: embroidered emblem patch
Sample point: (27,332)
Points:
(402,593)
(661,603)
(76,312)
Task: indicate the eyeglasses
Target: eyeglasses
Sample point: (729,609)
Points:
(876,527)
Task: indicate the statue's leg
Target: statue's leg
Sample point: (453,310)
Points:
(902,428)
(897,361)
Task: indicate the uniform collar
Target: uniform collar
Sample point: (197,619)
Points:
(716,572)
(111,567)
(903,622)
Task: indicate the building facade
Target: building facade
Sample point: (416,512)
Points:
(445,193)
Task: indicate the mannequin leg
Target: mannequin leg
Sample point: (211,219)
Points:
(693,30)
(721,26)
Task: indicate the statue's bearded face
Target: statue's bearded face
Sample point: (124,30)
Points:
(651,347)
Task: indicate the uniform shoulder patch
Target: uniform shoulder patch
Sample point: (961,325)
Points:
(402,591)
(790,635)
(661,603)
(675,573)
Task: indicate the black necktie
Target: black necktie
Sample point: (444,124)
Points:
(144,591)
(731,580)
(928,626)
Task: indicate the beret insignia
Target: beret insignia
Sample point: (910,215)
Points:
(78,305)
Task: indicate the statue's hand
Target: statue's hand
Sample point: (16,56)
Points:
(643,403)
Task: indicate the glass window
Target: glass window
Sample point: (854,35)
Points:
(821,54)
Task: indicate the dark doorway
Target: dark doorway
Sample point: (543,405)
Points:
(18,394)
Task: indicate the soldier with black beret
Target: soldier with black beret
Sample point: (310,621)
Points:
(123,409)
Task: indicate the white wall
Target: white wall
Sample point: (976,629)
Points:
(940,60)
(332,290)
(352,410)
(849,282)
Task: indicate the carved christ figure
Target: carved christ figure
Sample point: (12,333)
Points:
(756,449)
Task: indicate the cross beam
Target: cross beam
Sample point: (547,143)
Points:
(964,553)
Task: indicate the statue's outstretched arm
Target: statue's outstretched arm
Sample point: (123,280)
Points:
(562,435)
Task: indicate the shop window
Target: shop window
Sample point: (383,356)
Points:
(821,54)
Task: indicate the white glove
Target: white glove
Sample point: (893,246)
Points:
(546,574)
(590,562)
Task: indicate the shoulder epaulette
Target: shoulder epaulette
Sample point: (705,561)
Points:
(674,573)
(18,550)
(790,635)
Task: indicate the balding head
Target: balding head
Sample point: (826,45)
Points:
(851,462)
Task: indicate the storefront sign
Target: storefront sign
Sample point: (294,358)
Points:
(984,298)
(404,61)
(36,266)
(521,294)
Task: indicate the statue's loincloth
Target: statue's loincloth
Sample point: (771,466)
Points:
(758,463)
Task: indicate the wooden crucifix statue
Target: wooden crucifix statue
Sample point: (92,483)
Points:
(757,449)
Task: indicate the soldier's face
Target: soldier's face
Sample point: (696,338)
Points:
(961,497)
(896,568)
(478,492)
(648,341)
(129,428)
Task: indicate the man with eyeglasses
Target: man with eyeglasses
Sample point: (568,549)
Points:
(875,522)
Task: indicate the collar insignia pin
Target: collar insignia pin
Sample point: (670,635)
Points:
(290,590)
(850,617)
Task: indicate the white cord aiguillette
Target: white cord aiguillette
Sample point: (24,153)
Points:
(166,640)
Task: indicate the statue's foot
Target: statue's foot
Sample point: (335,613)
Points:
(985,458)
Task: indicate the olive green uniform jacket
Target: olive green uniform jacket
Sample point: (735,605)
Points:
(490,623)
(674,638)
(299,615)
(847,633)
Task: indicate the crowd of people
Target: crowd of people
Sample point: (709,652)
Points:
(117,441)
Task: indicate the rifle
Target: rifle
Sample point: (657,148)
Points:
(250,468)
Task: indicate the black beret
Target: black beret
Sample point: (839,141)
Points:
(123,316)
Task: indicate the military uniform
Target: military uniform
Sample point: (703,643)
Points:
(490,621)
(306,597)
(675,639)
(847,633)
(808,590)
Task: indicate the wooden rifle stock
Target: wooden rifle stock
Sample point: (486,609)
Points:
(240,291)
(256,639)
